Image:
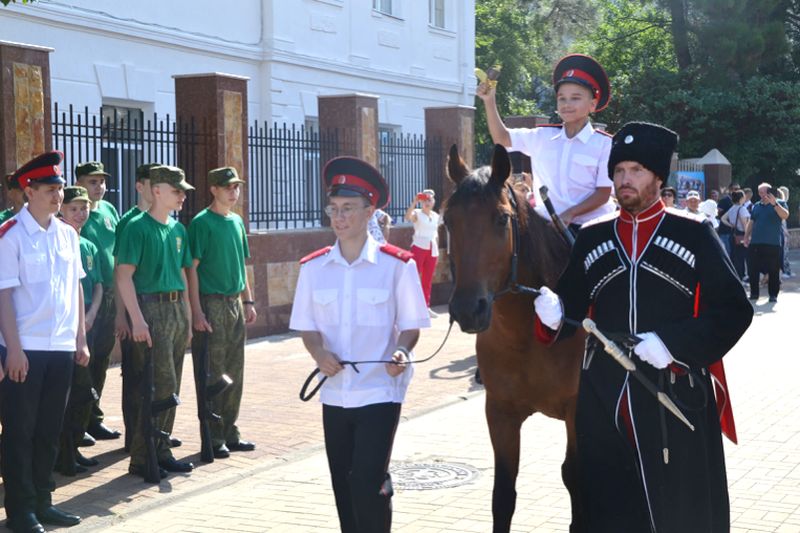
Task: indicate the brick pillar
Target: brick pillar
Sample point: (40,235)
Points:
(519,161)
(352,119)
(216,105)
(447,126)
(718,176)
(25,121)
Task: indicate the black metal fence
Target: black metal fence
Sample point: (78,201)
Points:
(406,162)
(285,188)
(285,185)
(122,142)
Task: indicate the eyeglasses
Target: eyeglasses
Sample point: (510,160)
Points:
(344,212)
(667,195)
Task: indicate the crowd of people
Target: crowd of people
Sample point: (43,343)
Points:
(74,276)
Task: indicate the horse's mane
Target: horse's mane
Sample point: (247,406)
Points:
(541,246)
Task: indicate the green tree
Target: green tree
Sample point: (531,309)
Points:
(6,2)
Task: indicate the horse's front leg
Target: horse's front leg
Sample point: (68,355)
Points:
(504,428)
(569,471)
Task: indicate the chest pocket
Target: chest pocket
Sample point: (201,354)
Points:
(372,307)
(35,267)
(326,306)
(602,265)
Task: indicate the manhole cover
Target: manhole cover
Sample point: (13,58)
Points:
(428,476)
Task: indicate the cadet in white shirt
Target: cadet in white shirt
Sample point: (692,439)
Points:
(359,301)
(570,158)
(42,326)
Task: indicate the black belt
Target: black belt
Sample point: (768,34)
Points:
(221,296)
(171,296)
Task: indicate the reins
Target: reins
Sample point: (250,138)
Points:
(305,396)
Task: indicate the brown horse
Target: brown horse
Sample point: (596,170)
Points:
(522,376)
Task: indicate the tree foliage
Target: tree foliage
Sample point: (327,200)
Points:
(6,2)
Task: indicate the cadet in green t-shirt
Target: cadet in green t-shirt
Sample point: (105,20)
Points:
(100,230)
(152,253)
(217,285)
(14,196)
(75,212)
(130,389)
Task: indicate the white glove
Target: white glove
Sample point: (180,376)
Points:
(548,307)
(652,350)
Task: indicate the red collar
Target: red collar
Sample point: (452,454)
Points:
(646,224)
(648,213)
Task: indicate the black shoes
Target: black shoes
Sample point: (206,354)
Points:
(102,432)
(140,470)
(240,446)
(56,517)
(173,465)
(82,460)
(773,299)
(221,452)
(25,523)
(87,440)
(753,296)
(175,442)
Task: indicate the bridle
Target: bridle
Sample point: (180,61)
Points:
(512,285)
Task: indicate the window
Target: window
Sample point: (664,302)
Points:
(436,15)
(384,6)
(121,152)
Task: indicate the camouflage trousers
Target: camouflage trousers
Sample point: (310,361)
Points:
(225,356)
(100,349)
(169,327)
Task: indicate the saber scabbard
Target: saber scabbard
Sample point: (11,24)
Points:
(628,364)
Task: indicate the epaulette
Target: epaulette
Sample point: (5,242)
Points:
(7,225)
(314,255)
(604,132)
(395,251)
(600,219)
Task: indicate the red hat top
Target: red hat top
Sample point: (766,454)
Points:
(44,169)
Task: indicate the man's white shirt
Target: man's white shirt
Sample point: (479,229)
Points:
(43,267)
(360,309)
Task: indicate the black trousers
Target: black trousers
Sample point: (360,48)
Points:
(358,442)
(32,414)
(764,258)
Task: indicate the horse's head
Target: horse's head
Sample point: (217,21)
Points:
(478,216)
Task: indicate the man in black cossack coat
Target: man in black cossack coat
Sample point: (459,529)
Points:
(662,276)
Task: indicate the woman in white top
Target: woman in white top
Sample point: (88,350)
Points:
(737,217)
(425,244)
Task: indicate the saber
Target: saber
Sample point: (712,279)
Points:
(554,216)
(628,364)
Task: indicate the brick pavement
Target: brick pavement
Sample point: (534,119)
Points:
(284,485)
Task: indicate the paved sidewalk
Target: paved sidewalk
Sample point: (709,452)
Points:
(284,486)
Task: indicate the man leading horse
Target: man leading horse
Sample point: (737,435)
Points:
(662,282)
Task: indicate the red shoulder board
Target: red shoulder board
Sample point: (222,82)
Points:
(314,255)
(7,225)
(395,251)
(604,132)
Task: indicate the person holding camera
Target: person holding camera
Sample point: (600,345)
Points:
(763,239)
(425,243)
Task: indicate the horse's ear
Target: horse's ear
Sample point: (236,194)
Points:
(501,166)
(457,169)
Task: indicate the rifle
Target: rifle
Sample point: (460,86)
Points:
(151,408)
(205,393)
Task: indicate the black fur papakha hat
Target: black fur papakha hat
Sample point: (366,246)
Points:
(585,71)
(649,144)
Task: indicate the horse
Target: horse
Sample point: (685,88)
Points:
(497,244)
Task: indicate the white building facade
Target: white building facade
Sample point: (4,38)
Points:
(412,54)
